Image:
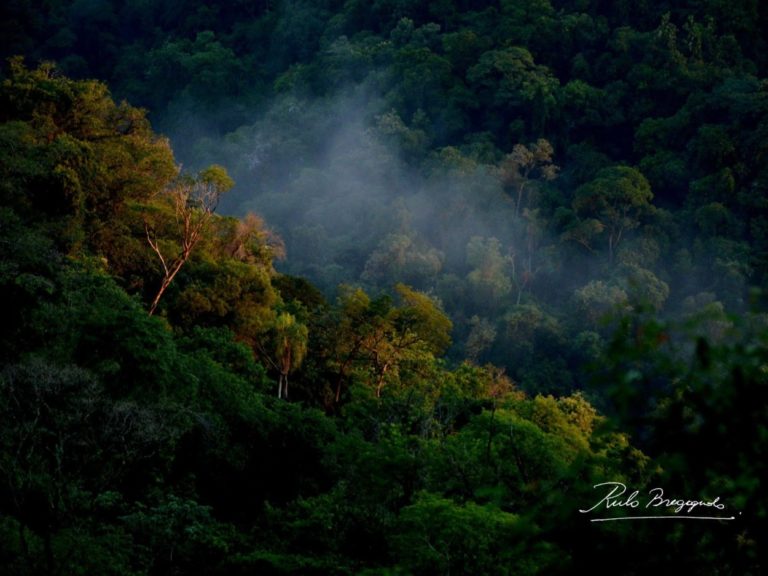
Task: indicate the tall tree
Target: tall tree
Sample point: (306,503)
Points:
(194,201)
(617,198)
(520,169)
(290,347)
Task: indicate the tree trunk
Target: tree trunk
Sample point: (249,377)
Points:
(520,190)
(163,287)
(380,382)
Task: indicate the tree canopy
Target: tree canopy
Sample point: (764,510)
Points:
(384,287)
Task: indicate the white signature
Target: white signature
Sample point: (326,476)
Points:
(616,497)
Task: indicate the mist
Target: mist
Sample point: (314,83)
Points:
(359,198)
(331,178)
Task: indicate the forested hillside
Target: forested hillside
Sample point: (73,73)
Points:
(390,287)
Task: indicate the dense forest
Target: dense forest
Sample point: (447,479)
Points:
(388,287)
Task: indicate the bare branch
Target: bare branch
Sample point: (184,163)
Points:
(156,248)
(195,202)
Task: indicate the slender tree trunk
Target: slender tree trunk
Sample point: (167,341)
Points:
(164,286)
(193,221)
(520,190)
(380,381)
(169,272)
(285,368)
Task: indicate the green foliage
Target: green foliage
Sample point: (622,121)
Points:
(617,198)
(520,176)
(436,535)
(74,161)
(66,447)
(178,534)
(597,302)
(106,332)
(203,69)
(685,386)
(422,316)
(509,80)
(399,256)
(489,277)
